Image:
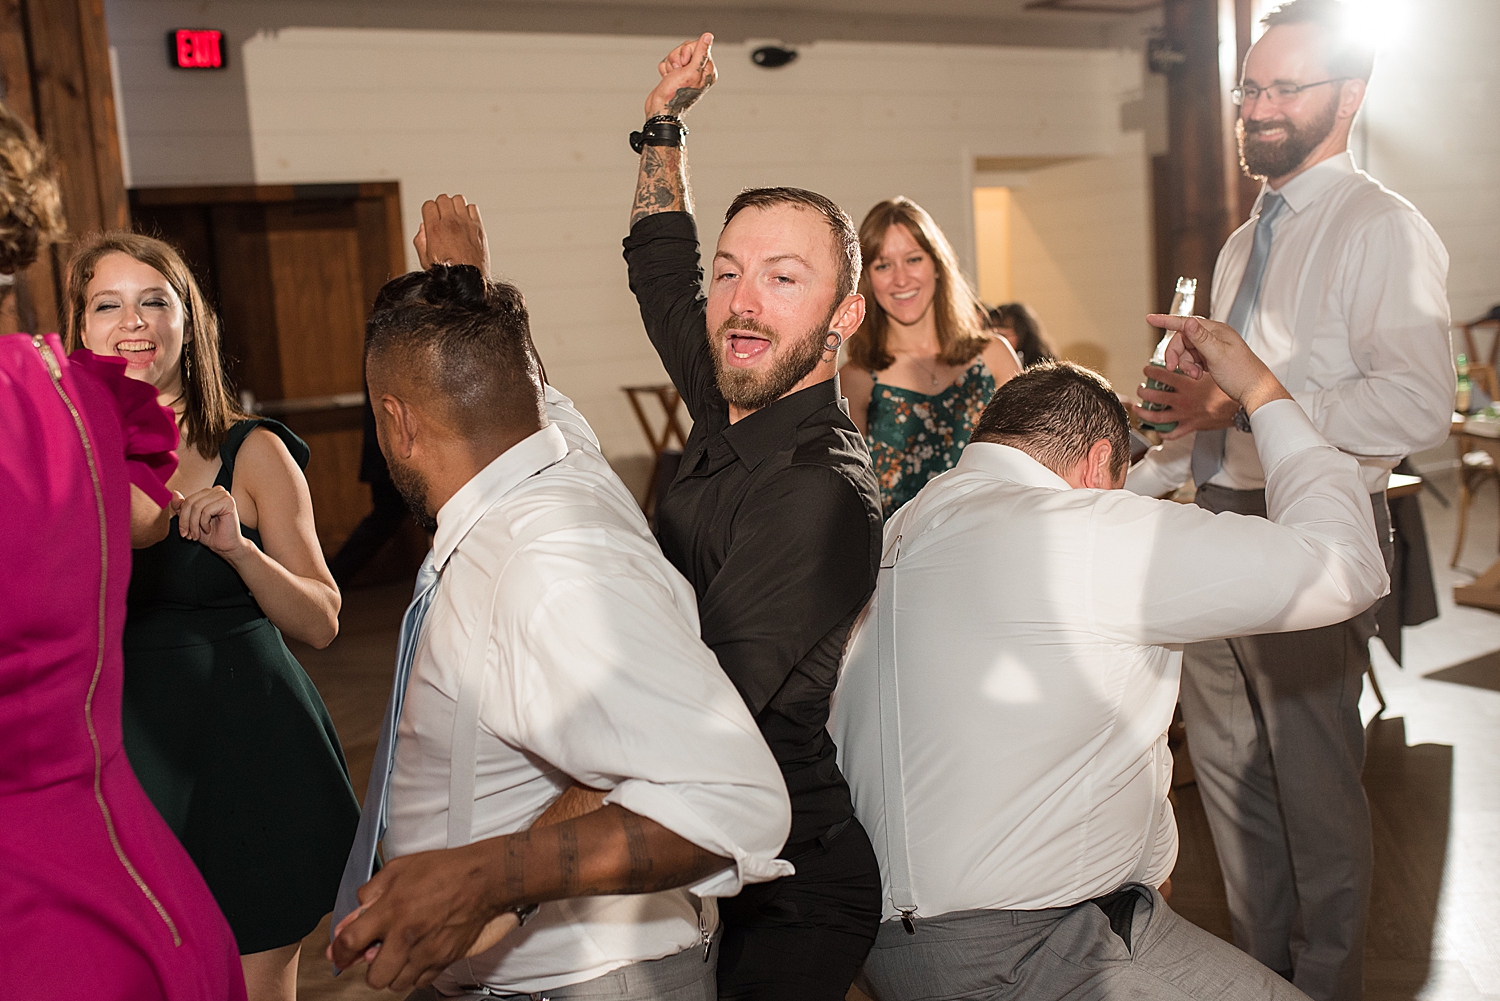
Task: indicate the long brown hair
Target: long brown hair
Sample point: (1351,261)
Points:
(955,307)
(209,409)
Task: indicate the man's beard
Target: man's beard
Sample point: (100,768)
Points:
(1262,160)
(748,389)
(413,490)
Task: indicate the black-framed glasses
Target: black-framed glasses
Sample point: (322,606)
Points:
(1279,93)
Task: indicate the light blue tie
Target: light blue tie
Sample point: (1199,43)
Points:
(1208,446)
(374,817)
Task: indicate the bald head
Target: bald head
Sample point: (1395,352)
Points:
(458,348)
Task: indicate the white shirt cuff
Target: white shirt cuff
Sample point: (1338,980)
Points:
(668,808)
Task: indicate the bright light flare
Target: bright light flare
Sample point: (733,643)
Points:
(1380,24)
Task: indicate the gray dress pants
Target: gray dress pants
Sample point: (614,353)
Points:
(1278,748)
(1063,953)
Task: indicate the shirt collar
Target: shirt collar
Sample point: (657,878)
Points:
(758,435)
(524,459)
(1310,185)
(1009,464)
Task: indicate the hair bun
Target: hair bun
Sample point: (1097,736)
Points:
(460,285)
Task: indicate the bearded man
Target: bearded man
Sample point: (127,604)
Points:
(1339,285)
(774,517)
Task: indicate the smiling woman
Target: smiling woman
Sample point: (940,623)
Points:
(921,367)
(225,731)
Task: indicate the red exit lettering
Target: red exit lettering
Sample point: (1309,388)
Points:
(198,48)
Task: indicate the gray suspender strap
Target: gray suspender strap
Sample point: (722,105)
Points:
(471,674)
(898,861)
(1144,862)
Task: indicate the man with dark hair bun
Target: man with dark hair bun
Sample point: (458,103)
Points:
(550,647)
(1003,707)
(774,515)
(1339,285)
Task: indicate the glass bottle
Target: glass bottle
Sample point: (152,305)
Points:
(1464,394)
(1182,305)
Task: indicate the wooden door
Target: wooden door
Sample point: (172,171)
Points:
(294,270)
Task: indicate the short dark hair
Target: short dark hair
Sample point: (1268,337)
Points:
(1033,346)
(845,239)
(1348,54)
(1054,412)
(467,338)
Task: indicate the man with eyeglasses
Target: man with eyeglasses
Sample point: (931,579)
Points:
(1340,286)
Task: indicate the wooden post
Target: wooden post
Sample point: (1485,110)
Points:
(54,68)
(1198,184)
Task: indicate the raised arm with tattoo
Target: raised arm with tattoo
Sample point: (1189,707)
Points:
(686,73)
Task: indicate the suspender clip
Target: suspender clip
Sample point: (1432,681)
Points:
(908,920)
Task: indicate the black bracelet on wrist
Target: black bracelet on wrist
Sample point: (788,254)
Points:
(1242,421)
(660,130)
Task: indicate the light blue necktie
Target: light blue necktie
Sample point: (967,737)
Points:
(374,818)
(1208,446)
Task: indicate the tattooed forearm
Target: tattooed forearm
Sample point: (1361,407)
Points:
(684,99)
(611,850)
(662,183)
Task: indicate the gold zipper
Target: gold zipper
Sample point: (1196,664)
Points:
(55,371)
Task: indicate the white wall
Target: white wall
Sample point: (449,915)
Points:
(533,127)
(1432,133)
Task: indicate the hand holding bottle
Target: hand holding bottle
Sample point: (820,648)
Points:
(1206,347)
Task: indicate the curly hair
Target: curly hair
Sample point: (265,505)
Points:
(31,214)
(956,308)
(209,407)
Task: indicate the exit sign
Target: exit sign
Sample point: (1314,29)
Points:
(196,48)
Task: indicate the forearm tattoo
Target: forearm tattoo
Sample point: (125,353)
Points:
(662,183)
(684,99)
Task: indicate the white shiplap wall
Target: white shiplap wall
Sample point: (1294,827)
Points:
(1431,132)
(533,126)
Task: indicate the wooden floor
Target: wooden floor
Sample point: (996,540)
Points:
(1433,778)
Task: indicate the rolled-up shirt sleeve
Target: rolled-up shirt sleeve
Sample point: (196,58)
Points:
(618,692)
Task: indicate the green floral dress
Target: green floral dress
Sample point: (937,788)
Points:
(915,436)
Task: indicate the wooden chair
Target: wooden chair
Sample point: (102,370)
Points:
(1476,466)
(671,434)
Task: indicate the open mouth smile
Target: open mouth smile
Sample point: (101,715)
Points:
(745,348)
(137,354)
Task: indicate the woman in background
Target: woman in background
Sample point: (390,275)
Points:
(1019,326)
(226,732)
(97,899)
(920,368)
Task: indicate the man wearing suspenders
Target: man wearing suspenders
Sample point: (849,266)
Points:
(1003,707)
(1339,285)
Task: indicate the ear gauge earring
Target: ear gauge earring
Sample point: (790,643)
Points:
(833,341)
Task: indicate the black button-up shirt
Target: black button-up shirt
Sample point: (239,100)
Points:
(775,520)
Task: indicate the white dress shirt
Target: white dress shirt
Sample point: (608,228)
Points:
(593,672)
(1038,633)
(1353,319)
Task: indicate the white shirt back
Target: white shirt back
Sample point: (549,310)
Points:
(1352,317)
(593,671)
(1038,633)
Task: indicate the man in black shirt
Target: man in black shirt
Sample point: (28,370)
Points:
(774,517)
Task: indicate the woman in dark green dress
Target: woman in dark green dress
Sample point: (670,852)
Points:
(225,731)
(920,368)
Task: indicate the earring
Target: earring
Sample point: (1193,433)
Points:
(833,341)
(187,363)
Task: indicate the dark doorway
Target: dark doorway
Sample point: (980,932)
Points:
(293,271)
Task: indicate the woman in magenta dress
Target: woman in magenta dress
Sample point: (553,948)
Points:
(97,898)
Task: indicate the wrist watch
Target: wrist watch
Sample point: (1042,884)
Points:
(1242,420)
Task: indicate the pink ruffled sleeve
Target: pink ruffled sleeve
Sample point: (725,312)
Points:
(150,428)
